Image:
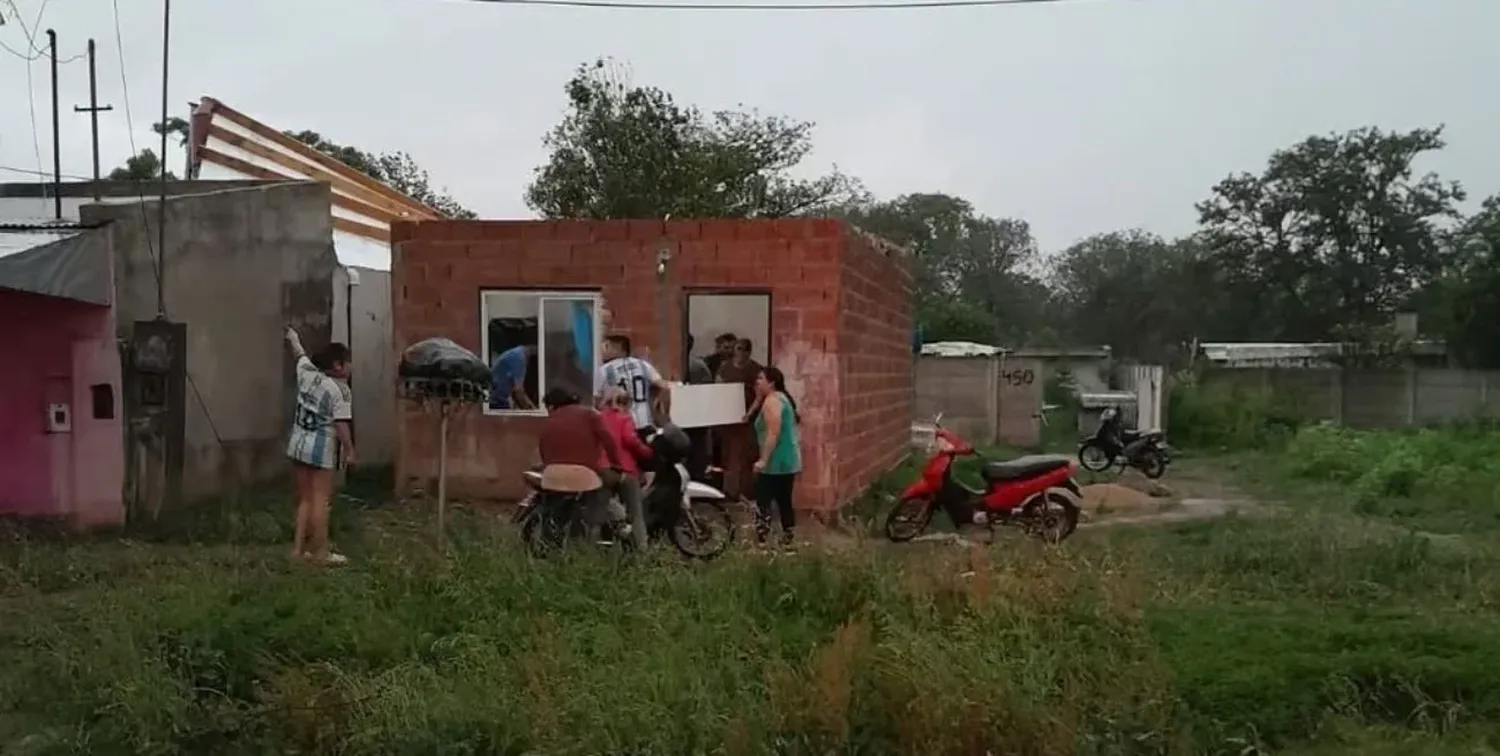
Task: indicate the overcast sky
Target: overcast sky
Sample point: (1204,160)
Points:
(1080,117)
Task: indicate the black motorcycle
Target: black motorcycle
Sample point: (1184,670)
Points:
(1112,445)
(689,512)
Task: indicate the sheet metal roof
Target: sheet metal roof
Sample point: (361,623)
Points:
(19,236)
(60,259)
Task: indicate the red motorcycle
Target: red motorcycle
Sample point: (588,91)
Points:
(1035,493)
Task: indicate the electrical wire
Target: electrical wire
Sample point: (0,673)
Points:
(156,263)
(44,174)
(36,140)
(774,6)
(130,134)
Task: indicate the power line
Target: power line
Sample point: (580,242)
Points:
(156,259)
(774,6)
(44,174)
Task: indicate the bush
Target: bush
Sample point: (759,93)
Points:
(1228,417)
(1442,479)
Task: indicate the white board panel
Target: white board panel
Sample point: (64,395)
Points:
(707,404)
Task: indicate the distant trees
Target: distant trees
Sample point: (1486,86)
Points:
(627,151)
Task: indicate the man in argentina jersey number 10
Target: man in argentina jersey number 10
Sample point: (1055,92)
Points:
(633,375)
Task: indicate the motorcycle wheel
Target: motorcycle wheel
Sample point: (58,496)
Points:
(1093,457)
(711,537)
(908,519)
(1152,464)
(524,508)
(1052,518)
(543,532)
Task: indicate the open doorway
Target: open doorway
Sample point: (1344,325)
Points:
(710,316)
(746,315)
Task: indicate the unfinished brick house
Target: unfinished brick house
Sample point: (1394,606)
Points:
(833,306)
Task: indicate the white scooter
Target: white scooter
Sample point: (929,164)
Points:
(690,512)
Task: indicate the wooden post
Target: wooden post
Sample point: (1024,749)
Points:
(1411,393)
(1336,390)
(992,398)
(442,492)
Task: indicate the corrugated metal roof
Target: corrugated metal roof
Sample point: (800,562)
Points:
(18,236)
(960,349)
(57,262)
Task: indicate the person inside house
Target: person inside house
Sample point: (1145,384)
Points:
(320,443)
(778,456)
(698,370)
(723,351)
(508,376)
(636,377)
(577,448)
(739,446)
(626,483)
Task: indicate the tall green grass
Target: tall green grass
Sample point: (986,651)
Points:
(1322,629)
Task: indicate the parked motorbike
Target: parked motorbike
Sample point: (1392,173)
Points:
(689,512)
(1112,445)
(1036,493)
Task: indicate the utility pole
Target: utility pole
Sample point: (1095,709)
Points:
(56,131)
(94,109)
(161,205)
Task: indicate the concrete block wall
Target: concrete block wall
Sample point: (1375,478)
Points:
(239,266)
(875,365)
(439,268)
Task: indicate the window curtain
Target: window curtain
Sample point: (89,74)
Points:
(583,336)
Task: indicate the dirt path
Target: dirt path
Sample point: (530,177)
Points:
(1190,492)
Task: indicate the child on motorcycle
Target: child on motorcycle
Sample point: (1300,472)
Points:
(626,482)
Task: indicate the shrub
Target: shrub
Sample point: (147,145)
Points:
(1443,479)
(1227,417)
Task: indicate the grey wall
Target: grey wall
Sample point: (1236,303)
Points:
(374,380)
(984,399)
(238,267)
(1372,397)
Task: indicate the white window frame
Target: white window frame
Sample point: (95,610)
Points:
(594,298)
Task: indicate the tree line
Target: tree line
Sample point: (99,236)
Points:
(1328,241)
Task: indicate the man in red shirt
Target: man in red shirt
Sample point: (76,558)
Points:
(626,483)
(575,445)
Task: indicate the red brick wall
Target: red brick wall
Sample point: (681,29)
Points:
(874,362)
(439,268)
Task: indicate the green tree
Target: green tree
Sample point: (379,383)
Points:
(1144,296)
(398,170)
(142,166)
(1468,301)
(625,151)
(970,282)
(1332,238)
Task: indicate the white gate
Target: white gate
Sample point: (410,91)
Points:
(1147,383)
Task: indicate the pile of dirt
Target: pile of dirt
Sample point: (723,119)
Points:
(1113,499)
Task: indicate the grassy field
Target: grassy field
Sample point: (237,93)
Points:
(1361,618)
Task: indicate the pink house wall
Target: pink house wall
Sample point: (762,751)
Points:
(56,349)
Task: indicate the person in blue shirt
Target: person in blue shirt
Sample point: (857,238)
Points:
(508,379)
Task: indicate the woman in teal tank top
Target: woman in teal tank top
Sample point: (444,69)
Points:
(780,456)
